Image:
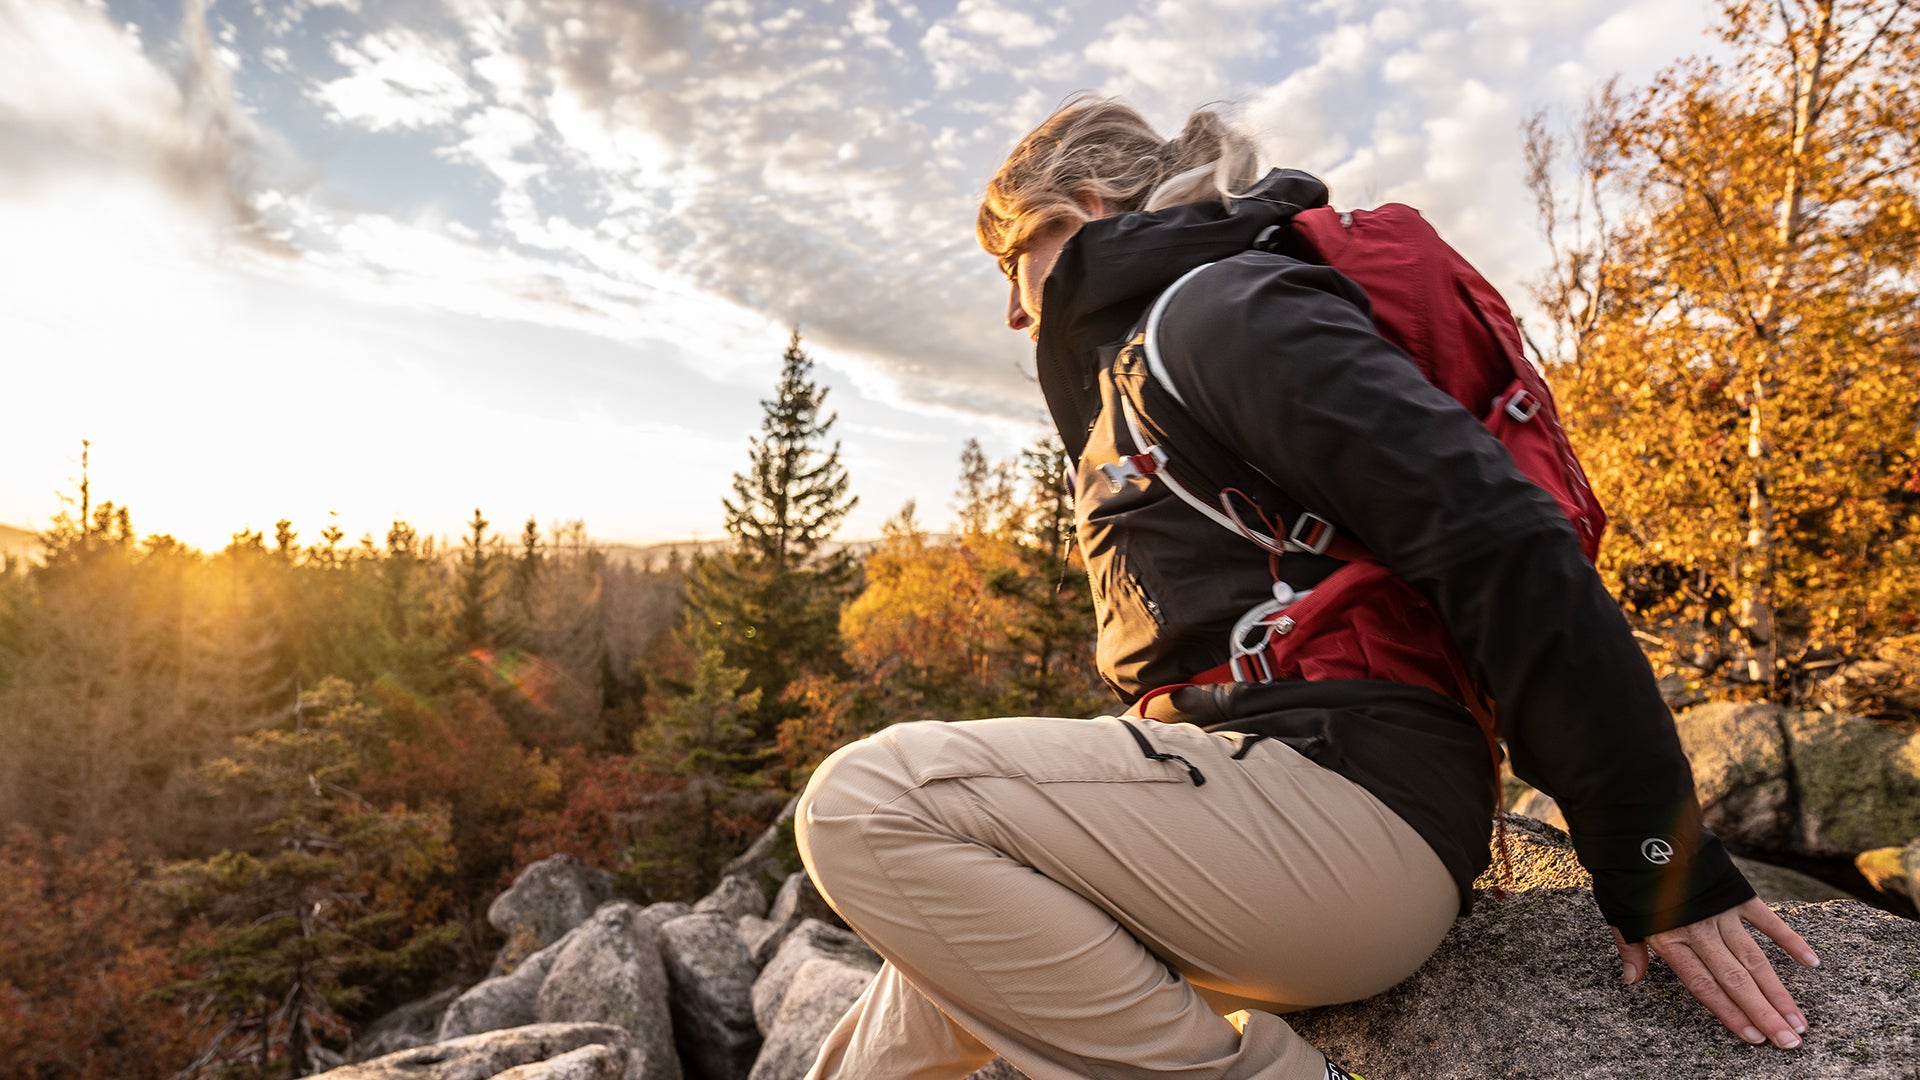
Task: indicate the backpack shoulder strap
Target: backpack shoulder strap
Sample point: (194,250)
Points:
(1150,335)
(1196,471)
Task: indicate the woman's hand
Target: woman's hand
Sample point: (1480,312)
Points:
(1721,964)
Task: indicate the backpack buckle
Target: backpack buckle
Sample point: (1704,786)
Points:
(1133,467)
(1244,669)
(1523,405)
(1311,533)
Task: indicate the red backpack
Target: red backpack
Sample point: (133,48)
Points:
(1361,621)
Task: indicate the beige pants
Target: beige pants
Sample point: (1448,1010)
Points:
(1042,889)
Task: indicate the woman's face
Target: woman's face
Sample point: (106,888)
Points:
(1028,276)
(1027,269)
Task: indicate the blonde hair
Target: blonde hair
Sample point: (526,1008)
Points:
(1098,146)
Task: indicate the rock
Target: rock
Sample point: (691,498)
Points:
(1894,871)
(710,978)
(1858,783)
(811,940)
(752,932)
(594,1062)
(798,901)
(504,1001)
(1534,859)
(548,899)
(1781,885)
(820,994)
(608,970)
(997,1069)
(738,896)
(662,913)
(1806,783)
(1528,985)
(416,1023)
(478,1057)
(1540,806)
(1739,759)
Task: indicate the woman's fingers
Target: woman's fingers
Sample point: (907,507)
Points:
(1704,981)
(1778,1017)
(1633,958)
(1722,966)
(1764,919)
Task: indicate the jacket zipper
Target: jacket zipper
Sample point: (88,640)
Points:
(1147,600)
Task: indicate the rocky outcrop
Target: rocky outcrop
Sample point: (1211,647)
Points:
(1784,885)
(797,902)
(549,898)
(820,994)
(586,1063)
(416,1023)
(503,1001)
(481,1057)
(1803,783)
(608,970)
(711,977)
(1528,985)
(737,897)
(811,940)
(1525,986)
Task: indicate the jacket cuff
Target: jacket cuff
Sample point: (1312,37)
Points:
(1651,883)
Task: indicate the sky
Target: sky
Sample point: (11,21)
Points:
(350,261)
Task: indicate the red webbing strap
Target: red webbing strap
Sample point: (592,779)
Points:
(1139,708)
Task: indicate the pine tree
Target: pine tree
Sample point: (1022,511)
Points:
(305,923)
(703,735)
(773,600)
(474,574)
(1052,637)
(986,497)
(793,494)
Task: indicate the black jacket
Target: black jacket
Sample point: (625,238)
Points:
(1279,358)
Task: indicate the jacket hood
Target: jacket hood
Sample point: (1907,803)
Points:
(1113,267)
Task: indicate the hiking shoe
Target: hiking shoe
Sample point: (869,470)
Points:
(1335,1072)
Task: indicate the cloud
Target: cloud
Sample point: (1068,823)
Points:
(79,96)
(819,164)
(1175,55)
(1421,103)
(397,79)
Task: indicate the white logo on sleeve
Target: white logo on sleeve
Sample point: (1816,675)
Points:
(1656,851)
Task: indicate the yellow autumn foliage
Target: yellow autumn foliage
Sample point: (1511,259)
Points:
(1735,304)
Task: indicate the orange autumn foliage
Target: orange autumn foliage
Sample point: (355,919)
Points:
(80,953)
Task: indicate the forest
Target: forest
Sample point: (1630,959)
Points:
(251,799)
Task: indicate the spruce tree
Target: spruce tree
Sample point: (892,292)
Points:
(307,922)
(773,600)
(473,621)
(793,494)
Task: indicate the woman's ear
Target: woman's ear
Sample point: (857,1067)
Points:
(1092,204)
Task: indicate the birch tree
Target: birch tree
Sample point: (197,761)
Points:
(1734,301)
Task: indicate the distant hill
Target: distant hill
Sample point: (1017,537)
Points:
(646,556)
(19,543)
(25,544)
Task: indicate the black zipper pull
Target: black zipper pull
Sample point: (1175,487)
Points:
(1152,754)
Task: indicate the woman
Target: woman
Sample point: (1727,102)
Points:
(1095,897)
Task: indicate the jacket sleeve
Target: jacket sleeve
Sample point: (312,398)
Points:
(1281,359)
